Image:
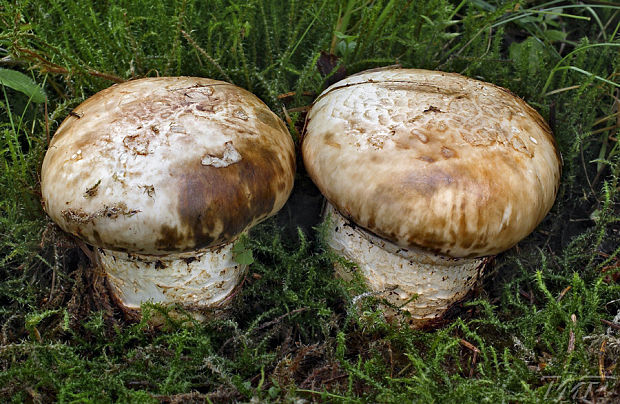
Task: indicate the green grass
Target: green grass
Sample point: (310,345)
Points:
(537,329)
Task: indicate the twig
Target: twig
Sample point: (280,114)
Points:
(604,129)
(403,370)
(293,93)
(49,67)
(473,364)
(289,121)
(559,90)
(571,335)
(605,118)
(601,361)
(290,124)
(305,108)
(86,251)
(102,75)
(468,345)
(613,325)
(475,350)
(563,292)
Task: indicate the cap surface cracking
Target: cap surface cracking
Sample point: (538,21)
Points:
(167,164)
(432,159)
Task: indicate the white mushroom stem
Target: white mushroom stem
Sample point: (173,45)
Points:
(199,279)
(421,282)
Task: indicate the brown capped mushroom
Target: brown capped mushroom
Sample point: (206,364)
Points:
(162,175)
(427,173)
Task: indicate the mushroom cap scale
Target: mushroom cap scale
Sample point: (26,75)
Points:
(431,159)
(166,165)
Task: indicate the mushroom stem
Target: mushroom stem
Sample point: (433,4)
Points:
(200,279)
(421,282)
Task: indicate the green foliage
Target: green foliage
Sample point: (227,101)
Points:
(241,253)
(538,329)
(20,82)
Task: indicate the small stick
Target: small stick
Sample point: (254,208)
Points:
(473,363)
(601,361)
(106,76)
(286,95)
(603,129)
(94,73)
(290,124)
(559,90)
(475,350)
(305,108)
(608,267)
(571,335)
(563,292)
(403,369)
(55,68)
(613,325)
(86,250)
(289,121)
(604,119)
(468,345)
(293,93)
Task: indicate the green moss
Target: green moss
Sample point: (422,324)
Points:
(536,330)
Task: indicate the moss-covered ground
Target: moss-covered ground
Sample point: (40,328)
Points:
(544,325)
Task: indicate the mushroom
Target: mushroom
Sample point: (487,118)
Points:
(427,174)
(161,176)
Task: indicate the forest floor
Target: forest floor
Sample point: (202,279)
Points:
(543,325)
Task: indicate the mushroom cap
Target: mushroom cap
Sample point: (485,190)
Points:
(168,164)
(431,159)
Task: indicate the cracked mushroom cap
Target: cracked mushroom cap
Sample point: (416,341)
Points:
(431,159)
(169,164)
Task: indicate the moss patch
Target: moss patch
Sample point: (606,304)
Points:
(542,327)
